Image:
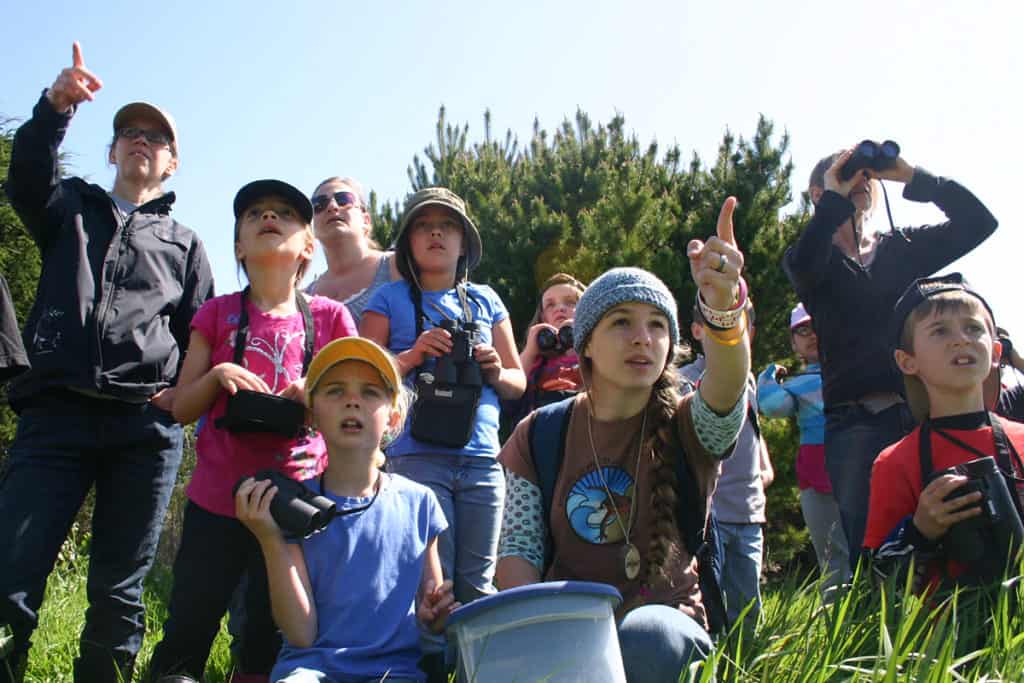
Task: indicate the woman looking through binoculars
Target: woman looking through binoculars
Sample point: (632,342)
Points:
(849,283)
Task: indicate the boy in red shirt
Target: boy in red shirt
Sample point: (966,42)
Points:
(945,340)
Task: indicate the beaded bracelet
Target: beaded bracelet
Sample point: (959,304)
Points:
(717,319)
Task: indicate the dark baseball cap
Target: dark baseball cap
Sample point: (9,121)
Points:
(917,293)
(258,189)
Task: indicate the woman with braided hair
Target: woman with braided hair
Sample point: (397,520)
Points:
(615,512)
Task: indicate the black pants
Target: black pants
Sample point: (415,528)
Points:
(65,445)
(215,552)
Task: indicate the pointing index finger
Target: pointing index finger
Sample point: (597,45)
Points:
(76,55)
(725,228)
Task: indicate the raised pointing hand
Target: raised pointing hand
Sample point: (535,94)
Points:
(716,264)
(74,85)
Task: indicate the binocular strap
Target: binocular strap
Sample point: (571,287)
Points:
(352,511)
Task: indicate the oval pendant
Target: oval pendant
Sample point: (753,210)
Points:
(631,561)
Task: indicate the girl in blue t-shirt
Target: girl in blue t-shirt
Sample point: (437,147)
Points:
(452,440)
(378,558)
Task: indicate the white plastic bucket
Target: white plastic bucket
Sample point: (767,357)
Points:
(555,631)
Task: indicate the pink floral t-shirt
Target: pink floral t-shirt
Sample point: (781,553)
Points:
(274,350)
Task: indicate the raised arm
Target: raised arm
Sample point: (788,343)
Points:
(716,266)
(34,173)
(773,400)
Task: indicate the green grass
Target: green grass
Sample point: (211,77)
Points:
(870,633)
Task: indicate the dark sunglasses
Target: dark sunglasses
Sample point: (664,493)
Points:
(343,199)
(153,137)
(803,331)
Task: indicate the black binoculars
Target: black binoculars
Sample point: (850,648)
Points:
(458,366)
(870,154)
(986,541)
(298,511)
(555,343)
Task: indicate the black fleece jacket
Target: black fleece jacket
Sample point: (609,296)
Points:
(851,305)
(116,295)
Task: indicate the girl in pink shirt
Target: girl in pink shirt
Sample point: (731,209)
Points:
(251,347)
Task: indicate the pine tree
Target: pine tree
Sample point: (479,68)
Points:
(20,264)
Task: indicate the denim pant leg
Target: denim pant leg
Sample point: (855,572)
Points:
(853,439)
(479,504)
(742,547)
(134,479)
(211,558)
(44,482)
(821,514)
(471,491)
(658,642)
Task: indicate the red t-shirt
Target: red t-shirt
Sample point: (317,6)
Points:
(896,477)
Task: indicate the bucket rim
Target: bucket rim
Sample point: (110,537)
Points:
(486,604)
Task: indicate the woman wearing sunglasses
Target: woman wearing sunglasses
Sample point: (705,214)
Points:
(356,264)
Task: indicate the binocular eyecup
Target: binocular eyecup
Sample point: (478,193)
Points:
(877,156)
(551,342)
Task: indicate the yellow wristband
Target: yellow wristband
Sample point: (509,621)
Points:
(731,336)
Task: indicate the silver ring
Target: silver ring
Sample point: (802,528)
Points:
(722,261)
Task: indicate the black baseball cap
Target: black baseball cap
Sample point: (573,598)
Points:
(259,189)
(919,291)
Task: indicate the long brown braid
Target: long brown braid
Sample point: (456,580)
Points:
(661,444)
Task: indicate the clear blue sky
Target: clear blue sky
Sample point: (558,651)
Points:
(317,89)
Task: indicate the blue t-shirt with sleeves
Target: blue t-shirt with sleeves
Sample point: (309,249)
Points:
(394,301)
(365,569)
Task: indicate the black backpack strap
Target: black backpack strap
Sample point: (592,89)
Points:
(752,417)
(547,432)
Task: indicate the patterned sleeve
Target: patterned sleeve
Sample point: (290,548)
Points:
(522,525)
(717,433)
(905,547)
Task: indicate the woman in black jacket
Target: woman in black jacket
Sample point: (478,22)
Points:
(120,281)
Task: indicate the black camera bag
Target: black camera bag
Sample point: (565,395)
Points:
(254,411)
(444,414)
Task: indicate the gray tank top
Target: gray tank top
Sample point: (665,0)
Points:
(357,303)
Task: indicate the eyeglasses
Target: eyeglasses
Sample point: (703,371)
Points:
(344,199)
(803,331)
(153,137)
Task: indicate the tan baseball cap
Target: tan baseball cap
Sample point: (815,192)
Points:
(145,110)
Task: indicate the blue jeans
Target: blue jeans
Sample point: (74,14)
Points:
(471,491)
(215,553)
(658,642)
(64,446)
(853,439)
(742,547)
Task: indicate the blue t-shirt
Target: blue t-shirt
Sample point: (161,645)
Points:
(394,301)
(365,569)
